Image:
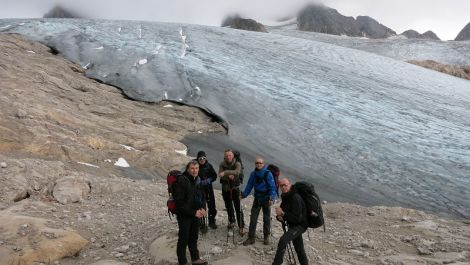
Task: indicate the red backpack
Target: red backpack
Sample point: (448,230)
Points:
(171,180)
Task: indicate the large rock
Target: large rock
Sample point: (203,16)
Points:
(320,18)
(373,29)
(71,189)
(27,240)
(237,22)
(464,34)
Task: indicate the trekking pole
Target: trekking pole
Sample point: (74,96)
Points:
(290,251)
(204,243)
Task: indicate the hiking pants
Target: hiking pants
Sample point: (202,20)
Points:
(231,200)
(211,204)
(255,209)
(187,237)
(294,234)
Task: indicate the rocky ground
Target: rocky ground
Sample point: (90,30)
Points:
(455,70)
(64,201)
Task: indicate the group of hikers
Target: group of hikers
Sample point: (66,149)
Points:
(193,194)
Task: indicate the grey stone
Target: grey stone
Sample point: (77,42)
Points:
(464,34)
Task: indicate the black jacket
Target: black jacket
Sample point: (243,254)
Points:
(294,208)
(207,171)
(187,197)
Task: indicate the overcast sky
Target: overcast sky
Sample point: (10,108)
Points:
(444,17)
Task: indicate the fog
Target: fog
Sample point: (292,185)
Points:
(445,18)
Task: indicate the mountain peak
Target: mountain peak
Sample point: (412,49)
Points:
(464,34)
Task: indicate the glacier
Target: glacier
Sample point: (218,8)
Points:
(349,114)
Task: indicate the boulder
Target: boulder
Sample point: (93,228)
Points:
(27,240)
(71,189)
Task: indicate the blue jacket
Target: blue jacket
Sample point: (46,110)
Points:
(263,191)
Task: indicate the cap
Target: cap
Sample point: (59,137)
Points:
(201,153)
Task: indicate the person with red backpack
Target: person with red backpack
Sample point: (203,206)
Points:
(189,209)
(293,213)
(262,180)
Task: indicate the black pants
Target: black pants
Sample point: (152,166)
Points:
(294,234)
(187,237)
(232,200)
(255,209)
(211,204)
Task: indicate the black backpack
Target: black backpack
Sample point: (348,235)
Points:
(312,203)
(238,158)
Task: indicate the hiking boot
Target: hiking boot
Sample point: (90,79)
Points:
(199,262)
(242,231)
(249,241)
(267,240)
(213,225)
(204,229)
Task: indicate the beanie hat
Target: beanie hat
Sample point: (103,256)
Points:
(201,154)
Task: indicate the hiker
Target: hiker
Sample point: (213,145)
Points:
(207,175)
(292,212)
(189,209)
(229,171)
(262,181)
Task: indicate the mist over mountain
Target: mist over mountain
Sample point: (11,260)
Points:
(464,34)
(60,12)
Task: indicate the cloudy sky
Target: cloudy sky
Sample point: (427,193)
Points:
(445,17)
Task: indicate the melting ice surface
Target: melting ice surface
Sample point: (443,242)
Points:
(369,128)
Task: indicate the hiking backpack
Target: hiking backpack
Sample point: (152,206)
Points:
(238,158)
(171,180)
(276,173)
(312,203)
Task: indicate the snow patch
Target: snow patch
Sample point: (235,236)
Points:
(5,27)
(99,48)
(108,160)
(183,152)
(31,52)
(119,29)
(87,164)
(130,148)
(121,162)
(142,61)
(86,66)
(168,106)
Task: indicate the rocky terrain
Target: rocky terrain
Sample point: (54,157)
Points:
(464,34)
(67,197)
(455,70)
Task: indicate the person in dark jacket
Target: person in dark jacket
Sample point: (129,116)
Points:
(207,175)
(229,173)
(293,212)
(189,209)
(262,180)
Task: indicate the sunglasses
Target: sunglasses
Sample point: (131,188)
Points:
(283,185)
(259,163)
(202,158)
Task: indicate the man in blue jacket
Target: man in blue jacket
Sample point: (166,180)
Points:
(262,181)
